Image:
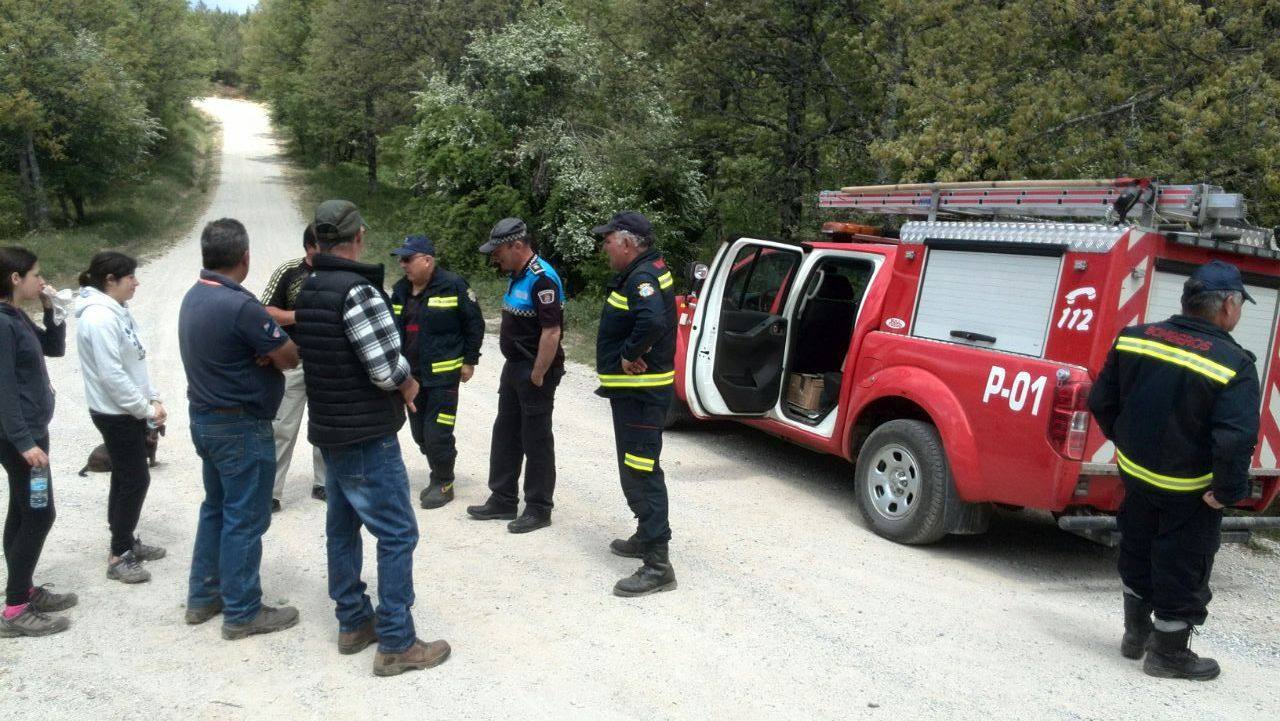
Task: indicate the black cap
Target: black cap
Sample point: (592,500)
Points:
(628,220)
(1215,275)
(337,220)
(415,244)
(507,230)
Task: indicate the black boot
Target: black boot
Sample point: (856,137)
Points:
(627,548)
(491,511)
(1137,627)
(436,495)
(1169,657)
(655,575)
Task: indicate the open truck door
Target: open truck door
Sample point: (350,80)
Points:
(740,332)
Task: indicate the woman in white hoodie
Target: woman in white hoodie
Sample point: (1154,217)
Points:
(122,402)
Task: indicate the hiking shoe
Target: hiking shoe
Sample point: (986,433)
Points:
(491,511)
(143,552)
(436,495)
(45,601)
(319,493)
(128,570)
(418,656)
(197,615)
(1168,656)
(32,623)
(528,522)
(268,620)
(350,642)
(627,548)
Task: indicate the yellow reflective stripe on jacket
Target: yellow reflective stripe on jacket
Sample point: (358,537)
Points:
(665,280)
(443,301)
(638,462)
(1168,483)
(397,309)
(1177,356)
(445,419)
(617,300)
(445,366)
(639,380)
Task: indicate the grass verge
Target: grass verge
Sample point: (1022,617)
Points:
(390,213)
(142,217)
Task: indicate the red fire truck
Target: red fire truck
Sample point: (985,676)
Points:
(951,362)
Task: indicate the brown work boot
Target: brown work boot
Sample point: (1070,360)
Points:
(350,642)
(268,620)
(420,655)
(197,615)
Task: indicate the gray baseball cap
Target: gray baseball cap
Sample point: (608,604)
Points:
(337,220)
(505,231)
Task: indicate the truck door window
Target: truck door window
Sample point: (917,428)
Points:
(759,279)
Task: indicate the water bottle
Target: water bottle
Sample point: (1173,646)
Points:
(39,489)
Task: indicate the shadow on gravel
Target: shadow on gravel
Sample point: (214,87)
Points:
(1021,545)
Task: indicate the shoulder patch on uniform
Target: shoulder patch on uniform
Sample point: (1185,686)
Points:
(547,297)
(659,263)
(645,289)
(535,266)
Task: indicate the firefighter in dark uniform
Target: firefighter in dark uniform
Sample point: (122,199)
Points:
(635,357)
(532,322)
(441,330)
(1180,400)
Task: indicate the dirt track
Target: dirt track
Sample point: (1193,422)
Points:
(788,607)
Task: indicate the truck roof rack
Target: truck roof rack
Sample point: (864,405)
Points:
(1196,214)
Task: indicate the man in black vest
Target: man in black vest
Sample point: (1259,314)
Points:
(357,387)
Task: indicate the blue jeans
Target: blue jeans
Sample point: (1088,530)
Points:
(239,468)
(367,485)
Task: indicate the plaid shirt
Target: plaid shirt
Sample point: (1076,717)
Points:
(372,330)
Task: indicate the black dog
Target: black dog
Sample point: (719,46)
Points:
(100,460)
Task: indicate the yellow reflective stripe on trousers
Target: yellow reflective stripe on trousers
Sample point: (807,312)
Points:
(639,380)
(1177,356)
(665,280)
(445,419)
(446,365)
(638,462)
(618,301)
(1168,483)
(444,301)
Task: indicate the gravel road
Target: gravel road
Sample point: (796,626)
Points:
(788,607)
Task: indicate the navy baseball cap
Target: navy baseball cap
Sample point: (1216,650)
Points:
(414,244)
(1216,275)
(628,220)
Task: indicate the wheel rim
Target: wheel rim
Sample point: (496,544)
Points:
(893,482)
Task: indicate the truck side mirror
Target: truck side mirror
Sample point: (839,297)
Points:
(696,274)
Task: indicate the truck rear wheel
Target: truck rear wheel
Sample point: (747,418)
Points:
(903,484)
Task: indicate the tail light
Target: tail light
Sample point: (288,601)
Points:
(1069,418)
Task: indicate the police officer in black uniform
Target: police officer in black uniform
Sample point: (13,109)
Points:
(441,330)
(532,321)
(635,357)
(1180,400)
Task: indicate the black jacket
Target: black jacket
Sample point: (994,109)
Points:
(638,322)
(26,397)
(1180,400)
(450,326)
(344,407)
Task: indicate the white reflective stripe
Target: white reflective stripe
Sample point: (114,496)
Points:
(1267,459)
(1273,404)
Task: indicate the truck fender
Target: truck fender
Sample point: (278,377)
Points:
(943,408)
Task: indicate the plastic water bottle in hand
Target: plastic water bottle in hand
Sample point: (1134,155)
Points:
(61,300)
(39,487)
